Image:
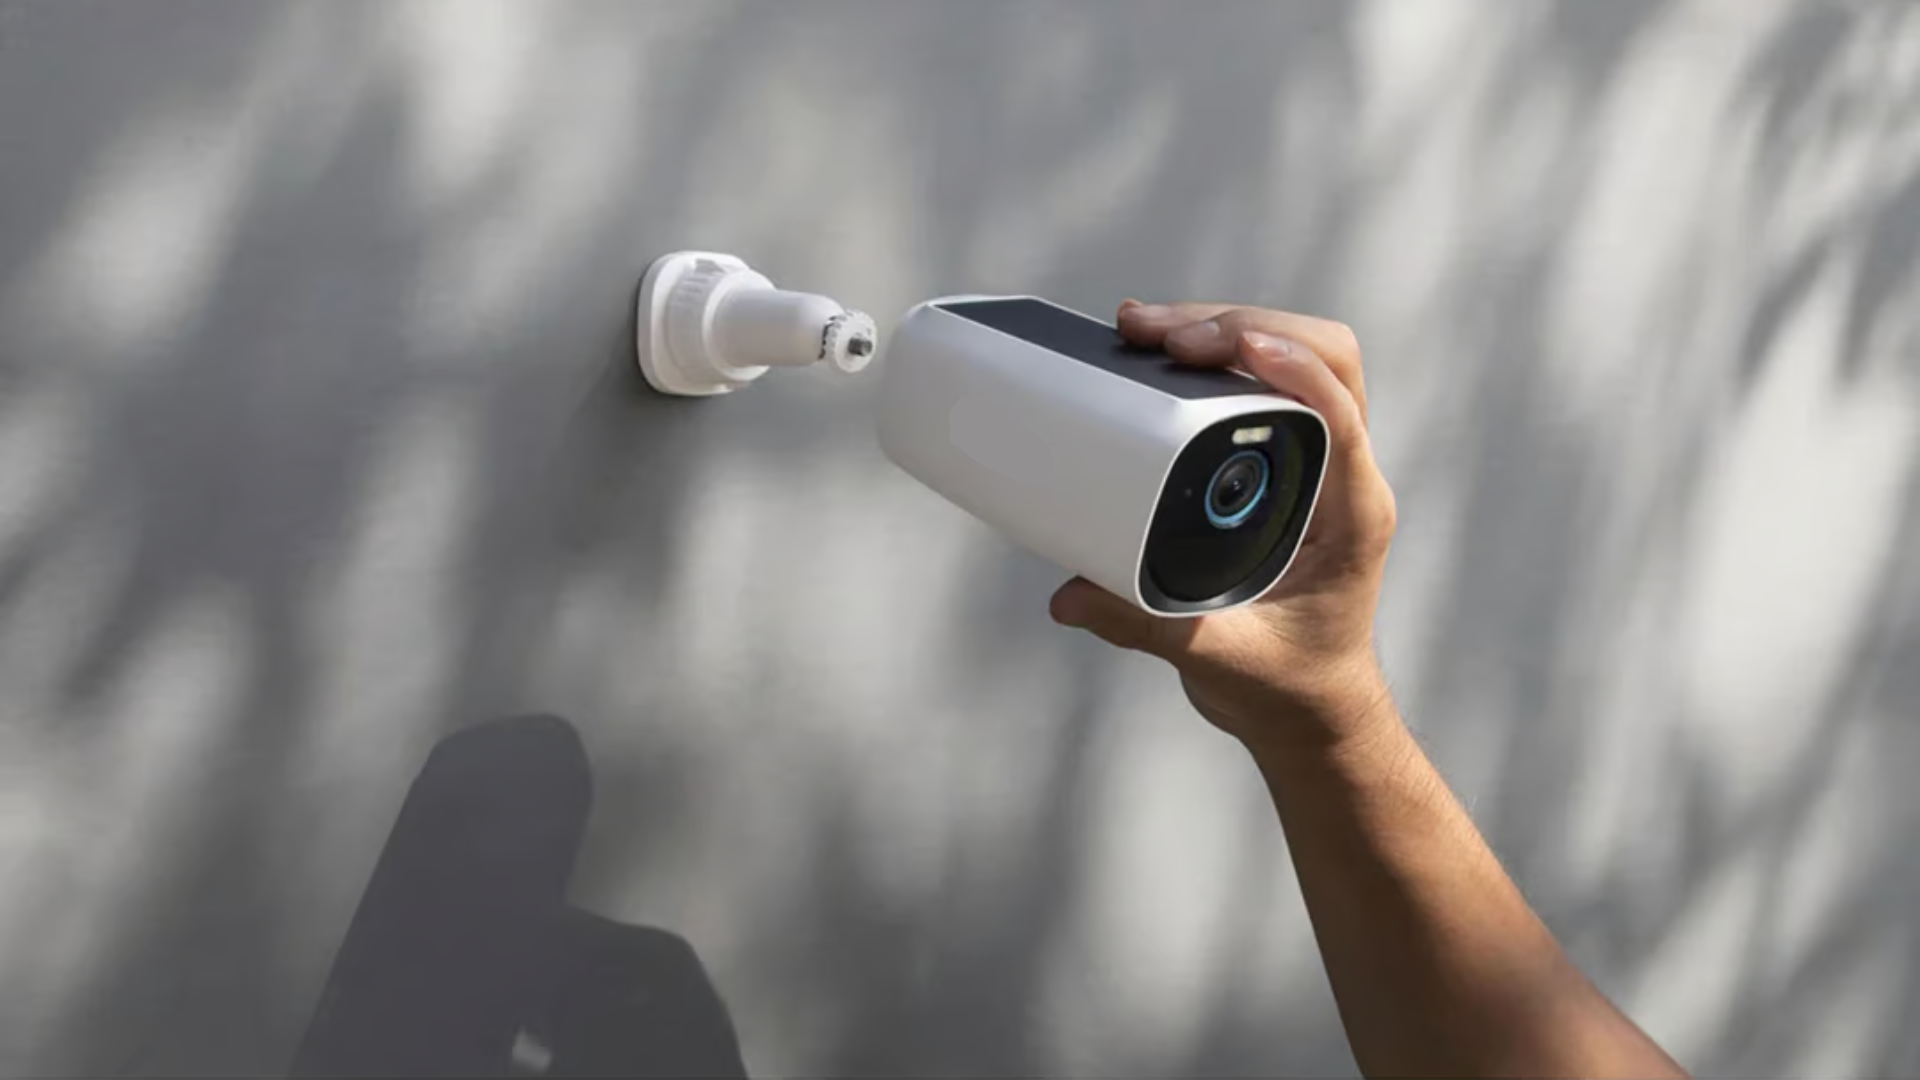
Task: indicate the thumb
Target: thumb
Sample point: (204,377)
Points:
(1083,605)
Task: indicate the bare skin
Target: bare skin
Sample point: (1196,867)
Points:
(1437,962)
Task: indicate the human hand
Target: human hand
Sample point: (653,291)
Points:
(1299,665)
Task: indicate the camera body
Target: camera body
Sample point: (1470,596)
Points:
(1182,490)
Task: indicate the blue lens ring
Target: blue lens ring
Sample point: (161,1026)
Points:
(1239,518)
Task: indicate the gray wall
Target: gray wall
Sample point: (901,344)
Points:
(316,443)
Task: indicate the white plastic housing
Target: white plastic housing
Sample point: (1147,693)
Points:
(709,324)
(1066,459)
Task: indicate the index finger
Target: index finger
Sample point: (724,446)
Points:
(1149,324)
(1334,343)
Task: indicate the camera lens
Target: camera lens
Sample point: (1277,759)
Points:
(1237,489)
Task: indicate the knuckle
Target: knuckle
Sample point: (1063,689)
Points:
(1342,333)
(1345,343)
(1238,320)
(1197,311)
(1382,519)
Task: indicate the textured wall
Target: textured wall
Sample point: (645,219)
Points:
(316,443)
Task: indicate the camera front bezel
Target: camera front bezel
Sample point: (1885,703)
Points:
(1190,565)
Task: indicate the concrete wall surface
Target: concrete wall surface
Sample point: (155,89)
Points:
(317,443)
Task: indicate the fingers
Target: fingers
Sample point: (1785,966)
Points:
(1357,505)
(1085,606)
(1208,335)
(1149,324)
(1332,342)
(1314,361)
(1291,368)
(1082,605)
(1260,342)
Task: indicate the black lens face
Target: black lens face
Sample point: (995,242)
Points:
(1231,515)
(1237,489)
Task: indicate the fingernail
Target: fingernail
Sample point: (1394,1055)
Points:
(1194,336)
(1270,346)
(1148,311)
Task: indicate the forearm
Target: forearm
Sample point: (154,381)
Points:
(1437,962)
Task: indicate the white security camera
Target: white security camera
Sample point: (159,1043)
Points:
(1181,490)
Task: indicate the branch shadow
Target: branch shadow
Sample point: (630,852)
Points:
(235,459)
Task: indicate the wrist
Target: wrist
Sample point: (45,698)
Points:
(1347,714)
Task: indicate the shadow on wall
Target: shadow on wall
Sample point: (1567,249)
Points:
(273,447)
(326,438)
(464,958)
(1582,549)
